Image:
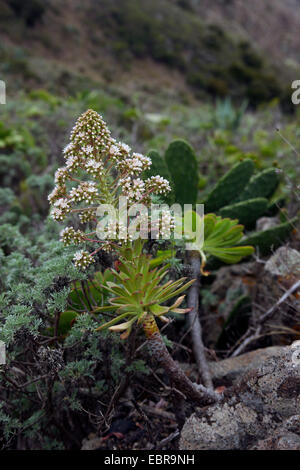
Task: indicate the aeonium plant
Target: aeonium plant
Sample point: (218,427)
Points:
(99,171)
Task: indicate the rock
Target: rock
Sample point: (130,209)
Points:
(258,411)
(284,262)
(229,370)
(288,441)
(92,442)
(220,427)
(264,223)
(263,283)
(287,437)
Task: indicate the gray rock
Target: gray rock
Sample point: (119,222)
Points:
(259,411)
(265,223)
(286,441)
(229,370)
(285,261)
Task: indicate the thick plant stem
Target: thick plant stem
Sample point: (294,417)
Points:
(194,321)
(198,394)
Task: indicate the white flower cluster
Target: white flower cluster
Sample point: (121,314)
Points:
(94,168)
(133,189)
(90,136)
(72,163)
(90,143)
(162,223)
(94,152)
(167,224)
(134,165)
(61,208)
(87,215)
(158,184)
(61,175)
(117,231)
(82,259)
(57,193)
(119,151)
(69,236)
(86,191)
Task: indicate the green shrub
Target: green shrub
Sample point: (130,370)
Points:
(31,11)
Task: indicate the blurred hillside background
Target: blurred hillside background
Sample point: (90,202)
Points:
(216,73)
(155,70)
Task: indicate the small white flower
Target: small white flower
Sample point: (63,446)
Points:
(57,193)
(61,208)
(62,204)
(134,189)
(114,152)
(135,165)
(82,259)
(72,162)
(57,214)
(87,215)
(88,149)
(94,168)
(158,185)
(86,191)
(68,148)
(61,175)
(70,236)
(124,148)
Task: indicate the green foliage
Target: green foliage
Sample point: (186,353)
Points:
(44,95)
(275,206)
(30,11)
(242,196)
(218,238)
(36,275)
(138,291)
(212,60)
(268,240)
(66,321)
(159,167)
(263,184)
(182,164)
(247,212)
(229,186)
(227,116)
(38,283)
(221,237)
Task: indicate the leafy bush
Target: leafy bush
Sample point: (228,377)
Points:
(31,11)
